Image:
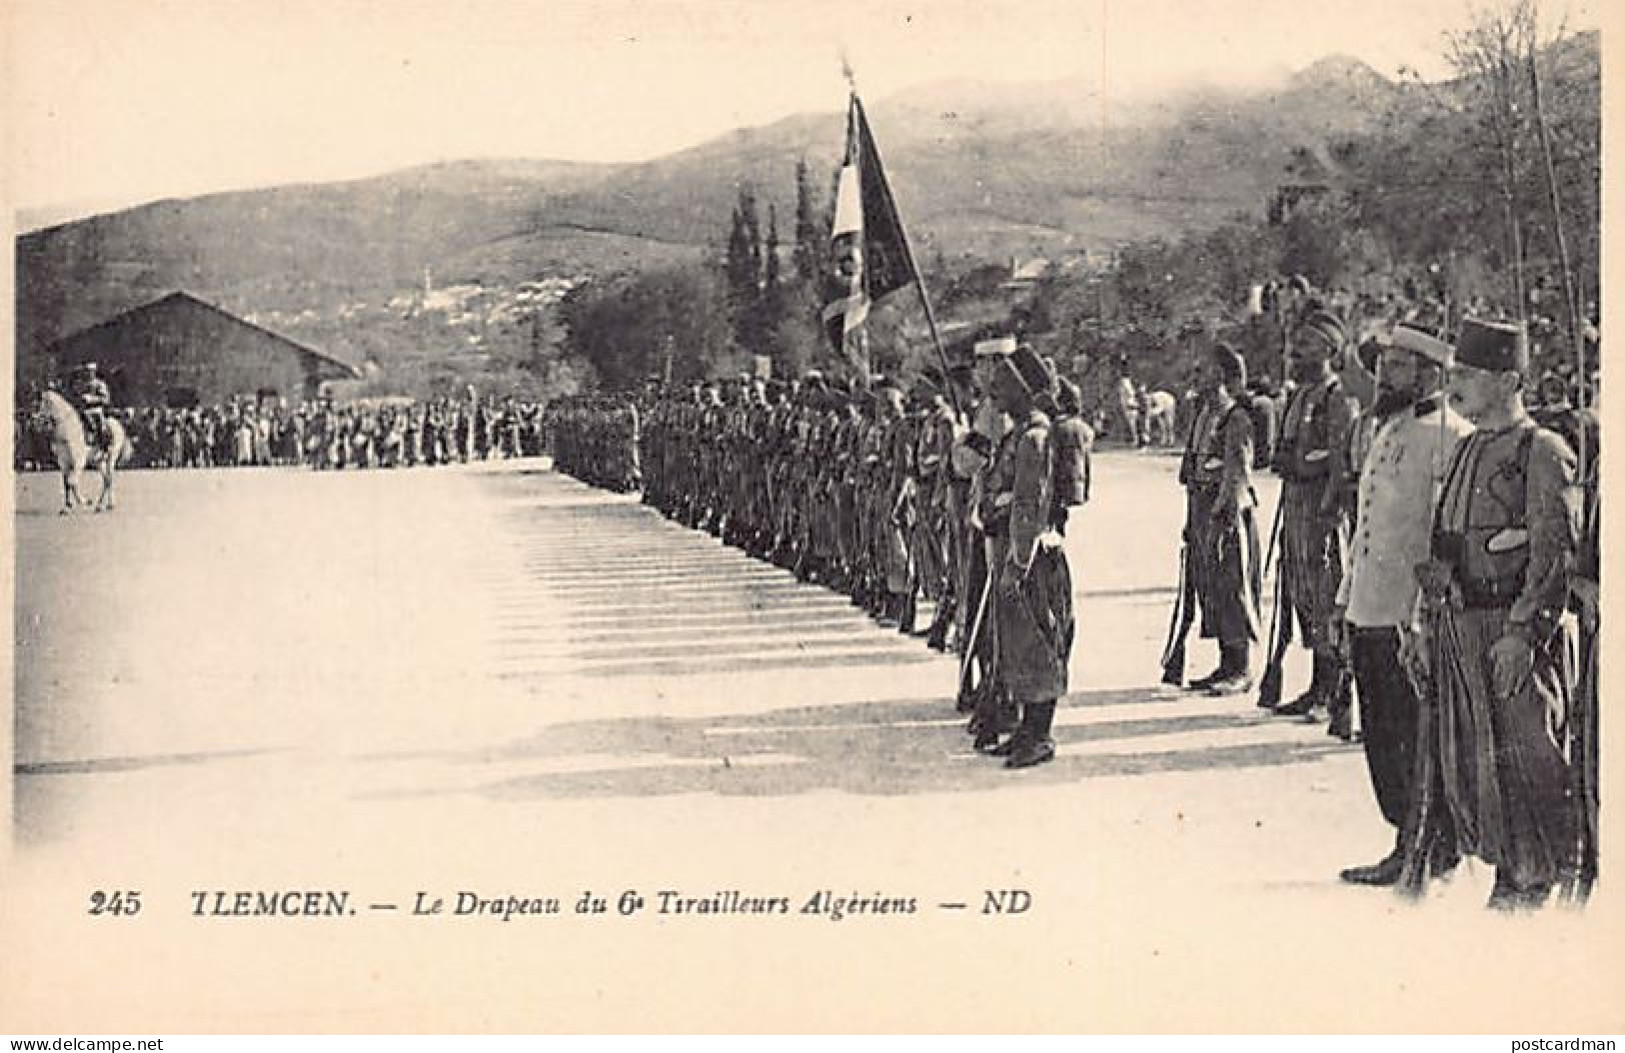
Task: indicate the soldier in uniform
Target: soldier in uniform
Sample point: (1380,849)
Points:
(889,548)
(1556,412)
(1220,528)
(628,437)
(91,393)
(1505,533)
(1314,432)
(1034,583)
(933,532)
(1400,477)
(1073,442)
(972,460)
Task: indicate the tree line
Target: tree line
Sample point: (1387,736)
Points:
(1448,202)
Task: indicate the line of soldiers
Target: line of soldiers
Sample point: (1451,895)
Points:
(595,438)
(955,493)
(1435,552)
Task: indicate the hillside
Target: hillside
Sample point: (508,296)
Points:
(980,172)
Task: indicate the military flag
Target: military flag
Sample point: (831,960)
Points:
(869,254)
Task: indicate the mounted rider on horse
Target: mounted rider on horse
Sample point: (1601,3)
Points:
(92,398)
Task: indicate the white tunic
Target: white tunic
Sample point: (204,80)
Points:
(1399,482)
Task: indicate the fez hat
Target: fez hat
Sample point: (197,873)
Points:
(1417,341)
(1329,327)
(1003,345)
(1034,374)
(1232,367)
(1493,346)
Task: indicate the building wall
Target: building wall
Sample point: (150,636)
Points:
(153,355)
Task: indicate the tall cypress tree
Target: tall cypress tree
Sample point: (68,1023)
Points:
(770,262)
(743,265)
(810,238)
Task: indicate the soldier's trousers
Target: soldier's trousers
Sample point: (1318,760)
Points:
(1036,629)
(1311,564)
(1505,779)
(1225,566)
(1388,715)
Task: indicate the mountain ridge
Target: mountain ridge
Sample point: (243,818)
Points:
(979,172)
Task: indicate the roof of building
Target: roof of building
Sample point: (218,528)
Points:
(185,300)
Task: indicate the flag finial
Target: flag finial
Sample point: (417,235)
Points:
(846,71)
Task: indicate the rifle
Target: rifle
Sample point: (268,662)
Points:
(1180,621)
(1583,755)
(1280,636)
(1584,774)
(969,650)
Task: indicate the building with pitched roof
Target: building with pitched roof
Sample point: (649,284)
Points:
(181,351)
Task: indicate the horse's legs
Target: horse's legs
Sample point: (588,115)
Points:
(70,490)
(106,500)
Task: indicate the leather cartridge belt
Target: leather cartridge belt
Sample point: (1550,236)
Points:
(1478,592)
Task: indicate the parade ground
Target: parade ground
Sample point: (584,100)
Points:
(398,687)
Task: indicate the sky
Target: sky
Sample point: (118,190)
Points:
(113,102)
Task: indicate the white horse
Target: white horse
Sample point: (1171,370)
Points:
(1159,410)
(74,453)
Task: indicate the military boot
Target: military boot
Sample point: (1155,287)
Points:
(908,611)
(1320,684)
(1237,678)
(995,718)
(937,638)
(1023,731)
(1340,703)
(1222,670)
(1036,746)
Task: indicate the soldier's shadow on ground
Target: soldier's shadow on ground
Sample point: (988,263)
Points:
(870,748)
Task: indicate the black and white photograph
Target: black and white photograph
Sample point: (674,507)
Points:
(707,516)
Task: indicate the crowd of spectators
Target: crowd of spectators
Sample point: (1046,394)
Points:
(376,433)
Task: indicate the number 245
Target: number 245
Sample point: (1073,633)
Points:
(115,903)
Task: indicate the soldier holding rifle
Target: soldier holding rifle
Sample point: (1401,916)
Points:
(1219,560)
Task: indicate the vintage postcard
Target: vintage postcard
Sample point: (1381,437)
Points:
(707,516)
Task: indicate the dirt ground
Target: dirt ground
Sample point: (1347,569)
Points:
(495,681)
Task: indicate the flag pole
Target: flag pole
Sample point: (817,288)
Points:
(931,321)
(913,263)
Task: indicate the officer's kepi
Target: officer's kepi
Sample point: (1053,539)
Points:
(1495,347)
